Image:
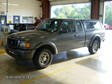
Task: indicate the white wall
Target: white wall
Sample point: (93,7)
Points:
(23,8)
(2,7)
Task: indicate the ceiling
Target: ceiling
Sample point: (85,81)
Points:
(62,2)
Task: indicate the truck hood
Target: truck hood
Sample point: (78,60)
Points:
(31,35)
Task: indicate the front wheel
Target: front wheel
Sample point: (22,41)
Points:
(43,58)
(94,47)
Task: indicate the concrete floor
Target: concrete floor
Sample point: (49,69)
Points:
(72,67)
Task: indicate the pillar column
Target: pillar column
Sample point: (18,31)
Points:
(95,9)
(45,9)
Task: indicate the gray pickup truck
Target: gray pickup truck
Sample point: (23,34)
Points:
(53,36)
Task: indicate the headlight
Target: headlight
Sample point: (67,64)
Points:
(25,44)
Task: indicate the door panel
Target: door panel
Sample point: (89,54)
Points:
(66,41)
(80,34)
(70,38)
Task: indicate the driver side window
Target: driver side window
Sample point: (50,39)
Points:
(67,27)
(50,25)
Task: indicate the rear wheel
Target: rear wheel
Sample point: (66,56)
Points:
(43,58)
(94,47)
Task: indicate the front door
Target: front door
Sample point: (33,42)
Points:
(65,39)
(71,36)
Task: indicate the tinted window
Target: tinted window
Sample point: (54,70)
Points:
(49,25)
(78,26)
(67,26)
(93,25)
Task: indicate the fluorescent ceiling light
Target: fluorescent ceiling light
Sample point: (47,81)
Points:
(10,4)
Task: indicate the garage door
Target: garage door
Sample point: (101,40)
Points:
(62,2)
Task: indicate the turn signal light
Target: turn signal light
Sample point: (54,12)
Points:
(27,45)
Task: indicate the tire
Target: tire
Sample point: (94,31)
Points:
(94,47)
(43,58)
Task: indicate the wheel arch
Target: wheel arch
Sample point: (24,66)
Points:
(51,46)
(94,38)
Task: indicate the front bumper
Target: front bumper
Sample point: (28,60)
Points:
(20,54)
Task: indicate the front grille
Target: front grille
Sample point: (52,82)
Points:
(12,42)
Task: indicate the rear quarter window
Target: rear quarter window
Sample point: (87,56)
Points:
(93,25)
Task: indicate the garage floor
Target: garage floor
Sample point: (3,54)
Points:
(72,67)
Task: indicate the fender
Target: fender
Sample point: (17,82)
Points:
(92,39)
(51,44)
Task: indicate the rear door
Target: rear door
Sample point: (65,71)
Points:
(80,34)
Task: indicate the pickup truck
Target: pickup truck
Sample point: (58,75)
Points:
(53,36)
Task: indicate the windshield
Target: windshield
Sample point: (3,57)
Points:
(49,25)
